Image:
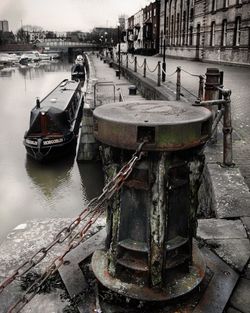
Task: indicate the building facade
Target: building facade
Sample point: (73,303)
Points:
(4,26)
(214,30)
(138,30)
(144,27)
(151,26)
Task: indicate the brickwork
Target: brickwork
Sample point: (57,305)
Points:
(207,30)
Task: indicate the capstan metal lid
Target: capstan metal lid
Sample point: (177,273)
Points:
(166,125)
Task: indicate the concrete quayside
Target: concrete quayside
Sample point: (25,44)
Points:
(171,197)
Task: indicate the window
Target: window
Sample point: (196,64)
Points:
(191,36)
(238,2)
(154,12)
(191,14)
(212,38)
(172,30)
(237,31)
(224,33)
(184,28)
(214,5)
(225,3)
(178,28)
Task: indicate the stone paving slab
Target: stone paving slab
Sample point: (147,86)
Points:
(246,222)
(220,229)
(235,252)
(19,246)
(231,194)
(28,238)
(232,310)
(105,73)
(240,299)
(53,302)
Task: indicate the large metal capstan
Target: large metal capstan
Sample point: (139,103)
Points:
(150,254)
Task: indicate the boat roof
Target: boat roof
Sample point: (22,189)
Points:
(60,96)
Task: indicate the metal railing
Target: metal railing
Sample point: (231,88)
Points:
(107,84)
(72,235)
(225,112)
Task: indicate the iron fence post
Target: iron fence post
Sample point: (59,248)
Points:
(178,84)
(135,65)
(227,130)
(144,67)
(212,93)
(159,74)
(201,87)
(163,71)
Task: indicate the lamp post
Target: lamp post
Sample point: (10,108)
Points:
(164,44)
(119,50)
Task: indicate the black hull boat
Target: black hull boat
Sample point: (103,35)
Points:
(55,122)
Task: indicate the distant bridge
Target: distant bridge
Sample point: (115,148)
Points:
(66,46)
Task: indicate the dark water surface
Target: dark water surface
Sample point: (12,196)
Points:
(29,190)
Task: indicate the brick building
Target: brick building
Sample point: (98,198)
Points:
(4,26)
(143,28)
(214,30)
(151,26)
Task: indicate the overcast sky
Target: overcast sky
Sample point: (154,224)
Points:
(63,15)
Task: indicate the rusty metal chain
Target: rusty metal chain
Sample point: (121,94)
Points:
(94,210)
(152,71)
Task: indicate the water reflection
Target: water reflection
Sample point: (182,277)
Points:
(29,190)
(92,179)
(49,176)
(7,72)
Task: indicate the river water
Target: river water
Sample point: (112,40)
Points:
(29,190)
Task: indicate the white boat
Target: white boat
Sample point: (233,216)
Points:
(29,57)
(54,55)
(14,57)
(5,59)
(44,56)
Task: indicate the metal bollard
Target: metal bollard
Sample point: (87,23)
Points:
(178,84)
(211,92)
(212,82)
(150,254)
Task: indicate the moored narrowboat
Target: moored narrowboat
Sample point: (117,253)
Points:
(55,122)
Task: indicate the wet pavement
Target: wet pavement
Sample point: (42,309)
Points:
(239,302)
(236,78)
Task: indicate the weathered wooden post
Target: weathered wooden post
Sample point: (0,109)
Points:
(178,83)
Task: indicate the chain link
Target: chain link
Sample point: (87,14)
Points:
(97,208)
(150,69)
